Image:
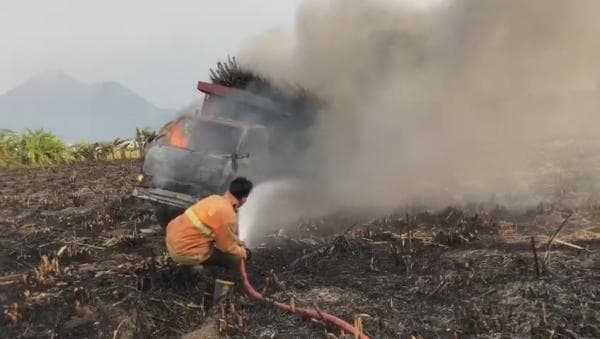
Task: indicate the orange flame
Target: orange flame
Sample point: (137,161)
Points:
(177,137)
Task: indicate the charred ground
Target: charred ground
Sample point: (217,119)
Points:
(79,257)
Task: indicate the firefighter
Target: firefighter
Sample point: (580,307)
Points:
(206,233)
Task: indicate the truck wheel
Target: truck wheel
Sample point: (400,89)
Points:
(164,214)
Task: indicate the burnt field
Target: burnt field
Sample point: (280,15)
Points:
(81,258)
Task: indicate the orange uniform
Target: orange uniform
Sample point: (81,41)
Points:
(211,222)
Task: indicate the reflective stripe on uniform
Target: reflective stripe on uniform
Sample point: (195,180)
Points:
(199,224)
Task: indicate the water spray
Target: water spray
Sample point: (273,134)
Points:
(274,203)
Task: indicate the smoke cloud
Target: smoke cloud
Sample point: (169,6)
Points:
(454,103)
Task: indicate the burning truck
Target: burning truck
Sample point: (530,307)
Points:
(235,132)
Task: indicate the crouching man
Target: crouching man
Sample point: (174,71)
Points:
(206,233)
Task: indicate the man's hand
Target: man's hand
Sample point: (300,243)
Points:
(243,253)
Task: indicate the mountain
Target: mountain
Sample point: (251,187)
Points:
(77,111)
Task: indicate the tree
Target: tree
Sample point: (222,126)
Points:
(103,150)
(143,137)
(84,151)
(119,145)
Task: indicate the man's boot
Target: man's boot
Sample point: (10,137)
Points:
(222,289)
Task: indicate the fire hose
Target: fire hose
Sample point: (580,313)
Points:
(312,313)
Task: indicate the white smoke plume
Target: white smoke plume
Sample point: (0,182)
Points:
(448,104)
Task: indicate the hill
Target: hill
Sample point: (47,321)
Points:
(77,111)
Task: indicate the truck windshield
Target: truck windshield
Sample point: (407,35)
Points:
(214,138)
(239,110)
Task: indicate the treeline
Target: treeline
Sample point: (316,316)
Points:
(43,148)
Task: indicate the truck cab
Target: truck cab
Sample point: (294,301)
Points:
(198,154)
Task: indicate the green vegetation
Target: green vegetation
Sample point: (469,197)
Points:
(8,148)
(299,102)
(43,148)
(83,151)
(230,73)
(143,137)
(31,148)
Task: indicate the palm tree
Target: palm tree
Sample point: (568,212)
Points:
(127,144)
(102,150)
(117,146)
(143,137)
(84,151)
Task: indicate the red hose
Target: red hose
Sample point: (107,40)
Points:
(305,311)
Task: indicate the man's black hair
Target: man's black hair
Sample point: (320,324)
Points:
(240,187)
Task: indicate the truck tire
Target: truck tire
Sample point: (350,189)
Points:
(164,214)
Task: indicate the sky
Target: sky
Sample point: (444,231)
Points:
(157,48)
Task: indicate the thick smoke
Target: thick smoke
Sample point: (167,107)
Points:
(448,105)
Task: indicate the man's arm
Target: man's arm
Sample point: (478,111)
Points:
(226,240)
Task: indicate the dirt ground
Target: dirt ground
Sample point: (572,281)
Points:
(81,258)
